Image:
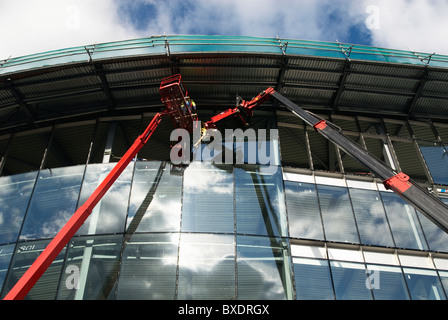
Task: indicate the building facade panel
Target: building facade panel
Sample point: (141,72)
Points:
(287,216)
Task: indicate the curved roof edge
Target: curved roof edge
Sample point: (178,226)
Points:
(181,44)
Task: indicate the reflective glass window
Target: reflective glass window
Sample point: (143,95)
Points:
(208,198)
(148,267)
(303,211)
(15,193)
(444,278)
(436,157)
(424,284)
(5,259)
(387,282)
(109,214)
(436,237)
(207,267)
(91,268)
(155,203)
(312,279)
(53,202)
(371,218)
(403,222)
(259,200)
(264,268)
(337,214)
(350,281)
(26,253)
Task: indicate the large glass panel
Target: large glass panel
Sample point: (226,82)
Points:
(155,204)
(5,259)
(424,284)
(148,267)
(350,281)
(91,268)
(208,198)
(264,268)
(337,214)
(207,267)
(109,214)
(46,287)
(303,211)
(436,157)
(53,202)
(403,222)
(387,283)
(260,204)
(436,237)
(371,218)
(15,193)
(312,279)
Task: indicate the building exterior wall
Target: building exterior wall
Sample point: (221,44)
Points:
(225,231)
(310,224)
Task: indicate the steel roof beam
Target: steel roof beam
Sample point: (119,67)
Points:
(419,92)
(342,83)
(99,71)
(30,111)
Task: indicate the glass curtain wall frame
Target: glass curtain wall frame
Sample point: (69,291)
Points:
(371,220)
(378,274)
(380,218)
(25,254)
(109,215)
(313,280)
(264,268)
(15,194)
(424,284)
(149,267)
(304,216)
(259,201)
(6,253)
(337,214)
(52,203)
(155,203)
(436,159)
(207,267)
(91,268)
(208,198)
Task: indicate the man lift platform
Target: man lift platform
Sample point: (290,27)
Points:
(182,111)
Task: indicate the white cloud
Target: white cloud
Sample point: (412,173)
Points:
(31,26)
(419,25)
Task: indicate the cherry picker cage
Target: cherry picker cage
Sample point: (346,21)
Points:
(178,104)
(180,108)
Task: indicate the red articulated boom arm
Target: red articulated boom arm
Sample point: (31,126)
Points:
(241,114)
(175,99)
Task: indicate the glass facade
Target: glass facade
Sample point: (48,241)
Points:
(223,231)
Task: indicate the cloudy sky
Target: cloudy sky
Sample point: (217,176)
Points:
(32,26)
